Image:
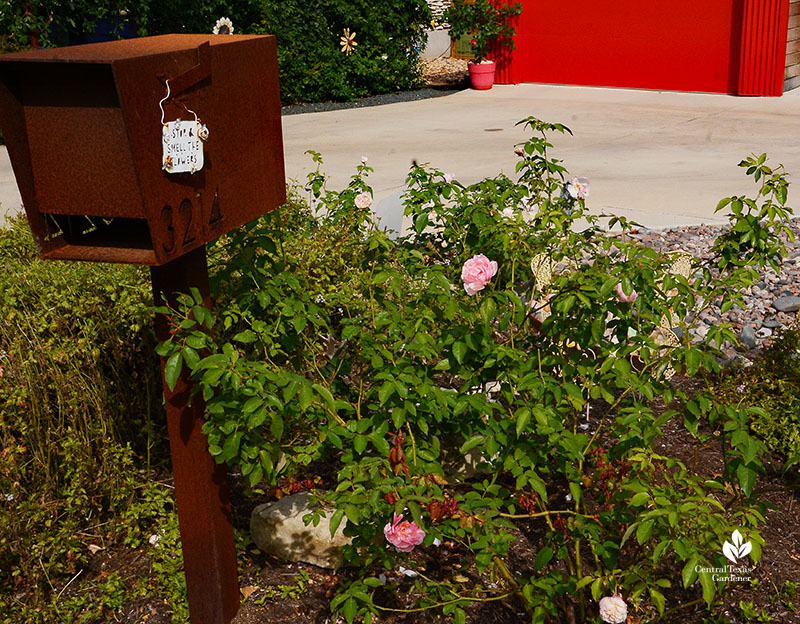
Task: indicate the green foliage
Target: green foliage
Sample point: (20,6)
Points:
(293,591)
(167,564)
(66,357)
(771,389)
(47,532)
(754,235)
(79,393)
(390,36)
(749,613)
(60,23)
(371,358)
(786,594)
(488,24)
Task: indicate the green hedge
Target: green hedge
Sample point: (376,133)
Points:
(390,35)
(773,386)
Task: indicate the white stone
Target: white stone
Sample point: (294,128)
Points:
(277,528)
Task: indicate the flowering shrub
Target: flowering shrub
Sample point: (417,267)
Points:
(528,405)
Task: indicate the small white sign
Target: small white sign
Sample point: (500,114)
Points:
(182,146)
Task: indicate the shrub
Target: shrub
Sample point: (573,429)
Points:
(63,23)
(485,23)
(389,36)
(79,398)
(499,335)
(77,344)
(772,386)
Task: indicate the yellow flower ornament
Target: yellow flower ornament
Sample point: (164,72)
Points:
(348,41)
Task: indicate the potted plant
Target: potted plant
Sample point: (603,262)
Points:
(486,24)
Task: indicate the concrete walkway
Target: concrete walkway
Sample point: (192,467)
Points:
(661,158)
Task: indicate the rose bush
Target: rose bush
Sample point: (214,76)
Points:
(525,406)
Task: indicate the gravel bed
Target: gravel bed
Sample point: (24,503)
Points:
(770,304)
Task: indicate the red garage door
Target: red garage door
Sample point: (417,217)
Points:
(684,45)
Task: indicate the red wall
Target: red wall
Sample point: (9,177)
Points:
(686,45)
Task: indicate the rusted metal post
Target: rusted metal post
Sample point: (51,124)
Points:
(201,486)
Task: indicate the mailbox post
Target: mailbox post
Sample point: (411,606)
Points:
(141,151)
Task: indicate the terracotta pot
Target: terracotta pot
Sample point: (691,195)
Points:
(481,75)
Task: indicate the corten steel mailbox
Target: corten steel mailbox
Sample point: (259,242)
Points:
(83,127)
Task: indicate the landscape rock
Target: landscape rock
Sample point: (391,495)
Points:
(748,337)
(787,304)
(277,528)
(772,323)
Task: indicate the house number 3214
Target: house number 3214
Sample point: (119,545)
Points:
(181,227)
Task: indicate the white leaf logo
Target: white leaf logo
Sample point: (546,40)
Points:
(738,549)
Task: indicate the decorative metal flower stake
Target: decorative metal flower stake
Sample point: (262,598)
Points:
(348,41)
(224,26)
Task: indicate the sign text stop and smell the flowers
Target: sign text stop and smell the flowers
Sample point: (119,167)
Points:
(182,146)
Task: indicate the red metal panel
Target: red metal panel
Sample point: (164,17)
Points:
(503,56)
(763,48)
(678,45)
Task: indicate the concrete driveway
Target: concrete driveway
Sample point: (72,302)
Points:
(661,158)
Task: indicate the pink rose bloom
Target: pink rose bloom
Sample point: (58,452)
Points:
(623,298)
(578,188)
(363,201)
(402,534)
(477,272)
(613,609)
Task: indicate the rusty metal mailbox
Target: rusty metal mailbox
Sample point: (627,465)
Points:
(141,151)
(84,131)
